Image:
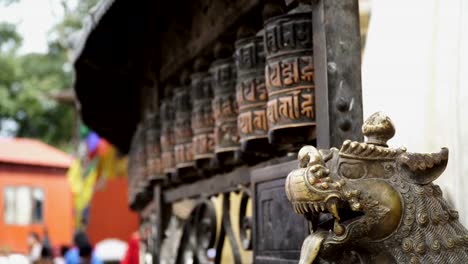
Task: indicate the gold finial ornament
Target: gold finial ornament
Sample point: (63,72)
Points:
(378,129)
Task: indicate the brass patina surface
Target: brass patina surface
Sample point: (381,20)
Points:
(370,203)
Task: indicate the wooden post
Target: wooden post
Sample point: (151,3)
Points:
(337,59)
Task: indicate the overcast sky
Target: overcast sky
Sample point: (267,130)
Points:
(34,19)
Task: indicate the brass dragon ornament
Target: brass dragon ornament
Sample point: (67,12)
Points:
(370,203)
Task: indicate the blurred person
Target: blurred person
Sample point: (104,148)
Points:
(18,259)
(47,256)
(133,251)
(46,241)
(60,256)
(86,254)
(3,256)
(82,252)
(35,247)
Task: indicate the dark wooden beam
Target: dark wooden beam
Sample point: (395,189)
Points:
(214,185)
(228,182)
(194,30)
(337,58)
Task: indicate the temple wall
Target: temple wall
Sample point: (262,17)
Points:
(415,68)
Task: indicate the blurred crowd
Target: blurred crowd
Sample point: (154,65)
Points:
(42,252)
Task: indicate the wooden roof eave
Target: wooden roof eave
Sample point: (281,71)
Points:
(105,76)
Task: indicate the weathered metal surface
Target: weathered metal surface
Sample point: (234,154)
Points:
(202,119)
(167,133)
(245,223)
(227,232)
(225,110)
(337,60)
(251,94)
(289,77)
(381,203)
(277,234)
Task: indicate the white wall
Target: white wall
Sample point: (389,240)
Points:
(415,69)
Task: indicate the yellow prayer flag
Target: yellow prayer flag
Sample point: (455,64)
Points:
(74,177)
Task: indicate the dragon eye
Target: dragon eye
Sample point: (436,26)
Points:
(352,170)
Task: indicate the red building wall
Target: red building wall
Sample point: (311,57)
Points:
(57,209)
(110,216)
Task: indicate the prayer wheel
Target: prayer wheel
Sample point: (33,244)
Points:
(289,77)
(223,73)
(167,139)
(251,94)
(202,117)
(153,148)
(183,151)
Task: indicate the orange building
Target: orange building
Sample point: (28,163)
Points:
(110,216)
(34,193)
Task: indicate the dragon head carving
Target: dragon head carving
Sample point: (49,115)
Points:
(369,203)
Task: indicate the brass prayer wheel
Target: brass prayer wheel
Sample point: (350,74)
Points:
(289,75)
(138,171)
(183,130)
(223,72)
(141,156)
(251,94)
(153,148)
(202,120)
(167,139)
(133,165)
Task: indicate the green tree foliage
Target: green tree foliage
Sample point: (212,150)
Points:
(7,2)
(28,80)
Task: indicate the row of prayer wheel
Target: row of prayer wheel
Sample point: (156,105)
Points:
(253,103)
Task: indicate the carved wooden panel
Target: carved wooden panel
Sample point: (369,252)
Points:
(278,233)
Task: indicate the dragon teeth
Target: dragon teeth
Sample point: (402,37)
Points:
(298,209)
(311,207)
(322,206)
(333,209)
(316,206)
(338,228)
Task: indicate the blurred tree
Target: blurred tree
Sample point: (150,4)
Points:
(26,110)
(27,80)
(7,2)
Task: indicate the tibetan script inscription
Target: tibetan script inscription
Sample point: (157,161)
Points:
(251,91)
(202,116)
(224,105)
(289,72)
